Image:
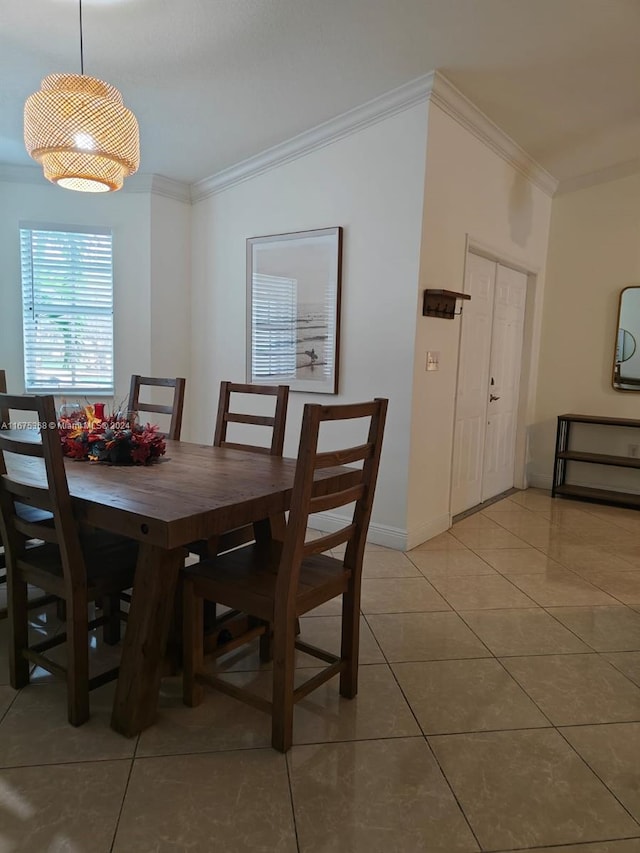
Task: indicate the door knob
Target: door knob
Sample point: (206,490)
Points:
(493,397)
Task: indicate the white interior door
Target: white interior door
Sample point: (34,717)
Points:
(473,380)
(504,381)
(488,383)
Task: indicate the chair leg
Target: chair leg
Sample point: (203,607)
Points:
(17,593)
(283,675)
(350,644)
(111,611)
(192,644)
(173,650)
(266,644)
(78,661)
(209,617)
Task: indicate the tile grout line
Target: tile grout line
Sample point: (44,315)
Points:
(435,758)
(557,560)
(124,796)
(7,709)
(596,774)
(291,800)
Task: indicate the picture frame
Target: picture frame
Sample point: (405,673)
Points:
(293,310)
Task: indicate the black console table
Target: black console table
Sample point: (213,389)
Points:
(564,454)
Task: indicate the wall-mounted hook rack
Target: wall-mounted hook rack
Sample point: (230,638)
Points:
(442,303)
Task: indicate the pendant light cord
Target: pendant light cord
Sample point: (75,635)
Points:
(81,50)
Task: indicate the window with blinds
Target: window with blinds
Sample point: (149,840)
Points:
(67,309)
(273,338)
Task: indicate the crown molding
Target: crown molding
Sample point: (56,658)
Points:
(456,105)
(602,176)
(170,188)
(371,112)
(158,185)
(432,87)
(139,183)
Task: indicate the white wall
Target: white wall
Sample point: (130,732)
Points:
(594,252)
(469,191)
(150,246)
(371,183)
(170,293)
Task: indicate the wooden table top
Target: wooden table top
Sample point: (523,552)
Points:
(194,491)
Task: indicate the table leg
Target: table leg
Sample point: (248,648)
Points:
(278,526)
(150,614)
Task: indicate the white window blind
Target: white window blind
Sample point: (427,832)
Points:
(67,309)
(274,309)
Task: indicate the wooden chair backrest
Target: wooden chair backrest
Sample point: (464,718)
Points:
(175,409)
(4,423)
(277,421)
(305,501)
(4,414)
(54,497)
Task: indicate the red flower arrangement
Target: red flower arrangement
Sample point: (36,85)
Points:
(112,439)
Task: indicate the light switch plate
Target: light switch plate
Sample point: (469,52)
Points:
(433,360)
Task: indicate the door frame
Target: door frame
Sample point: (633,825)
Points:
(529,361)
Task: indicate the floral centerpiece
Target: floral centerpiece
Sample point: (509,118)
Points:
(116,439)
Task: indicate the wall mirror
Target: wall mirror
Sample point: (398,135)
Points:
(626,360)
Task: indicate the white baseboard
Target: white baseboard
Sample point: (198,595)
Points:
(428,530)
(378,534)
(539,481)
(382,534)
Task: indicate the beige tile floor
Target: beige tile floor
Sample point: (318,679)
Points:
(498,710)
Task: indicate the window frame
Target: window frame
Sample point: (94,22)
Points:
(33,290)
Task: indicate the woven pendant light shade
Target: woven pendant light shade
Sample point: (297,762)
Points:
(80,131)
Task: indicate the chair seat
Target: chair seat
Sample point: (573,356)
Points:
(110,561)
(35,516)
(32,513)
(245,579)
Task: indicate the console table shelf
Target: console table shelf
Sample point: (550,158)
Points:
(608,496)
(601,458)
(564,454)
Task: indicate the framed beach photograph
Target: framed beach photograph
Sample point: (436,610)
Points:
(293,310)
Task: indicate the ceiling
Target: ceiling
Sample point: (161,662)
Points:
(213,82)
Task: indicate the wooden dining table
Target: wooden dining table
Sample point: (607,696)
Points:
(194,492)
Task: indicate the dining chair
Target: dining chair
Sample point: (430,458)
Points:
(174,410)
(228,404)
(4,423)
(71,562)
(275,422)
(4,414)
(26,512)
(278,582)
